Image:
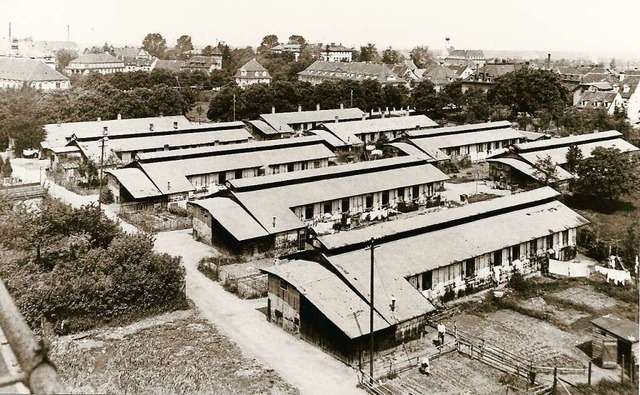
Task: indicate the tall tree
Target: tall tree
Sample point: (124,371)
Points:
(607,175)
(297,39)
(574,158)
(369,53)
(391,56)
(183,45)
(527,91)
(421,56)
(545,170)
(155,45)
(269,41)
(424,98)
(64,57)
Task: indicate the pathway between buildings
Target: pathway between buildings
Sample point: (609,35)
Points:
(301,364)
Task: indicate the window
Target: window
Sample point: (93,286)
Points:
(238,174)
(565,237)
(345,205)
(326,209)
(497,258)
(305,165)
(415,191)
(290,167)
(283,284)
(400,193)
(260,171)
(471,267)
(427,280)
(372,137)
(515,252)
(385,198)
(369,201)
(308,211)
(533,246)
(275,169)
(316,164)
(222,177)
(549,242)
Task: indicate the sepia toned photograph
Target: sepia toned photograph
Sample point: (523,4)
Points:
(289,198)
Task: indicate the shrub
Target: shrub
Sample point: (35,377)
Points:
(179,211)
(449,295)
(106,196)
(522,286)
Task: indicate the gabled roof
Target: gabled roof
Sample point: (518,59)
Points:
(461,241)
(89,58)
(330,295)
(465,53)
(470,138)
(348,132)
(589,99)
(621,327)
(439,75)
(171,65)
(355,71)
(567,141)
(28,70)
(459,129)
(282,121)
(253,65)
(527,169)
(232,217)
(264,128)
(135,182)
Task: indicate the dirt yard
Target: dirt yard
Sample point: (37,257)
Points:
(176,353)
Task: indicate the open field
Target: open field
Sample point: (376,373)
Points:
(175,353)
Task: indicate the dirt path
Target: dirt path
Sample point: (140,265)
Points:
(301,364)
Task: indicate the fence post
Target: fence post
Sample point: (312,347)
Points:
(555,379)
(622,370)
(589,377)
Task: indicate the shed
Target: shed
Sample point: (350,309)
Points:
(614,338)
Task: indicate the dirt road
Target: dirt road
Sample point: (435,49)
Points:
(301,364)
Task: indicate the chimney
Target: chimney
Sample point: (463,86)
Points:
(216,142)
(273,221)
(548,61)
(393,304)
(9,31)
(105,129)
(160,115)
(166,147)
(273,109)
(342,106)
(337,119)
(68,33)
(175,124)
(299,108)
(151,126)
(119,117)
(99,119)
(318,107)
(364,116)
(168,185)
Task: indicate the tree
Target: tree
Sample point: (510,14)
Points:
(612,64)
(183,45)
(369,53)
(630,249)
(527,91)
(476,106)
(574,157)
(208,50)
(421,56)
(607,175)
(155,44)
(545,170)
(297,39)
(20,118)
(64,57)
(424,98)
(391,56)
(268,42)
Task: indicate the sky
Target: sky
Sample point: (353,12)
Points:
(587,26)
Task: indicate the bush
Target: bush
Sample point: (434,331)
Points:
(82,270)
(449,295)
(179,211)
(522,286)
(106,196)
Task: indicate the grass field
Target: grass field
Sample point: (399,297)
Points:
(181,355)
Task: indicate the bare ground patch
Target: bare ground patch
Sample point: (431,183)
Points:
(588,297)
(562,316)
(184,354)
(532,339)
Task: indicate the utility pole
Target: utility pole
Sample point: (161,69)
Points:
(371,247)
(104,140)
(351,99)
(234,108)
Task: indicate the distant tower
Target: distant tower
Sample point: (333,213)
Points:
(9,31)
(68,33)
(446,44)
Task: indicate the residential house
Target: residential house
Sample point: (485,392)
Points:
(320,71)
(188,173)
(336,53)
(485,76)
(173,66)
(474,141)
(283,206)
(609,101)
(103,63)
(252,72)
(438,74)
(293,49)
(18,72)
(202,63)
(134,58)
(462,71)
(287,124)
(518,165)
(462,57)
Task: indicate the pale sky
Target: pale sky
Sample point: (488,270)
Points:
(590,26)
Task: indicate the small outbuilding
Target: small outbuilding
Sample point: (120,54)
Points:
(615,340)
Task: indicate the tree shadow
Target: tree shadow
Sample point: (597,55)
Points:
(586,348)
(599,205)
